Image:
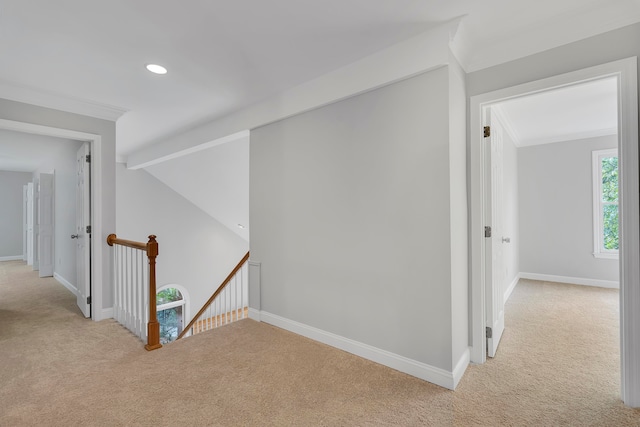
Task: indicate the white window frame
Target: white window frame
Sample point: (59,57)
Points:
(598,221)
(184,302)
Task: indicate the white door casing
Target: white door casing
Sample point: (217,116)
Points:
(625,71)
(36,228)
(82,236)
(494,205)
(30,223)
(25,222)
(46,225)
(99,183)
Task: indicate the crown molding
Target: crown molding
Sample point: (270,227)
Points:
(574,136)
(29,95)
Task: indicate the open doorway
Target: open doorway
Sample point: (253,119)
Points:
(74,140)
(487,302)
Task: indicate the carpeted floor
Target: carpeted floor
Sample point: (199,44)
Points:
(557,365)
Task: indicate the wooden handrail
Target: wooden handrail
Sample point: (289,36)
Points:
(112,239)
(151,248)
(215,294)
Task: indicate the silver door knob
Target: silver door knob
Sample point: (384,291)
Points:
(506,240)
(74,236)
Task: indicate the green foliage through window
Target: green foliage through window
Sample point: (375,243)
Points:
(170,319)
(168,295)
(610,203)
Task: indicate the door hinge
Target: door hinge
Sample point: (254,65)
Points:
(88,158)
(487,131)
(88,300)
(88,229)
(489,332)
(487,231)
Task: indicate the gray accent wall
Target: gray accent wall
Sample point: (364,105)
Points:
(11,211)
(352,218)
(556,210)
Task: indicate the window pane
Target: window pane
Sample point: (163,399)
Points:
(610,179)
(610,226)
(170,324)
(168,295)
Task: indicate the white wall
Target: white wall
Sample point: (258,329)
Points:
(62,164)
(351,218)
(511,251)
(21,112)
(11,184)
(556,210)
(195,250)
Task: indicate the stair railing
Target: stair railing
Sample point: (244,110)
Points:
(135,288)
(228,303)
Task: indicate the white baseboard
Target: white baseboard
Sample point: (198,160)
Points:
(511,287)
(106,313)
(572,280)
(412,367)
(254,314)
(64,282)
(11,258)
(461,367)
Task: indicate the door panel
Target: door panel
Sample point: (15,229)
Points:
(494,269)
(46,225)
(36,228)
(30,223)
(83,236)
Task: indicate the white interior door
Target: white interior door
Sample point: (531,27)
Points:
(494,268)
(83,234)
(25,223)
(46,247)
(30,223)
(36,228)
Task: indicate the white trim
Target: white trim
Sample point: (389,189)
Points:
(596,191)
(573,136)
(255,292)
(11,258)
(64,282)
(511,287)
(219,141)
(611,284)
(107,313)
(97,242)
(21,93)
(629,201)
(254,314)
(412,367)
(606,255)
(461,367)
(625,71)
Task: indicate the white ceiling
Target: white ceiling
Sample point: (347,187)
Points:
(88,56)
(576,112)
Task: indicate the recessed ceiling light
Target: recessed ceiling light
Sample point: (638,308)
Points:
(157,69)
(240,226)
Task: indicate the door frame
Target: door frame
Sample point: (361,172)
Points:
(625,71)
(96,202)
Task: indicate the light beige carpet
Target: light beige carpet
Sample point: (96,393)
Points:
(557,365)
